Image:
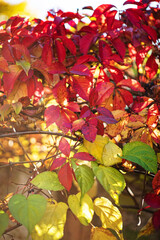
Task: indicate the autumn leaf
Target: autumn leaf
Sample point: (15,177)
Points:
(65,176)
(98,233)
(111,154)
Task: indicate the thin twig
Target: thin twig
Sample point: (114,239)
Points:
(15,134)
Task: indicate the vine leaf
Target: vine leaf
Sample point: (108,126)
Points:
(109,214)
(111,153)
(51,226)
(111,179)
(65,176)
(4,220)
(142,154)
(47,180)
(85,178)
(96,148)
(82,208)
(27,211)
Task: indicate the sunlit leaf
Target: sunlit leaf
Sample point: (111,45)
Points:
(64,147)
(101,234)
(111,179)
(142,154)
(96,148)
(111,153)
(17,107)
(27,211)
(47,180)
(109,214)
(4,220)
(65,176)
(25,65)
(51,226)
(82,208)
(85,178)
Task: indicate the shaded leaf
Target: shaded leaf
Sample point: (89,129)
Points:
(155,220)
(57,162)
(47,180)
(152,199)
(156,183)
(106,116)
(3,65)
(4,220)
(147,229)
(109,214)
(111,179)
(82,208)
(101,234)
(27,211)
(142,154)
(51,226)
(85,178)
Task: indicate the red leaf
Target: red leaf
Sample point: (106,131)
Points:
(89,131)
(51,114)
(156,220)
(73,106)
(61,52)
(81,86)
(151,67)
(57,68)
(60,92)
(127,96)
(156,183)
(153,200)
(65,176)
(86,41)
(116,74)
(3,65)
(102,9)
(68,43)
(86,58)
(140,103)
(150,31)
(47,56)
(77,125)
(42,68)
(132,84)
(35,89)
(21,51)
(57,162)
(106,116)
(10,77)
(64,147)
(85,112)
(6,52)
(134,16)
(119,46)
(84,156)
(104,91)
(81,70)
(153,116)
(93,97)
(71,15)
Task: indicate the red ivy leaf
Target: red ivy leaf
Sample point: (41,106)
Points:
(119,46)
(51,114)
(64,147)
(86,41)
(151,67)
(81,86)
(153,200)
(73,106)
(89,131)
(132,84)
(61,52)
(65,176)
(153,115)
(3,65)
(81,70)
(84,156)
(156,183)
(57,68)
(93,97)
(47,56)
(57,163)
(106,116)
(150,31)
(102,9)
(140,103)
(156,220)
(68,43)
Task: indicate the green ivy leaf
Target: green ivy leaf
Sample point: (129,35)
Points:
(25,65)
(47,180)
(142,154)
(4,220)
(85,178)
(111,179)
(27,211)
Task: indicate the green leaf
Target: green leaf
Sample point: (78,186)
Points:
(85,178)
(47,180)
(4,220)
(82,208)
(110,215)
(51,226)
(25,65)
(111,179)
(27,211)
(17,107)
(142,154)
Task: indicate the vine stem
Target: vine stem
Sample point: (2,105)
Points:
(17,134)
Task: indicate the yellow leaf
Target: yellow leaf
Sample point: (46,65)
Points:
(19,91)
(101,234)
(110,154)
(109,214)
(17,107)
(147,229)
(82,208)
(96,148)
(51,226)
